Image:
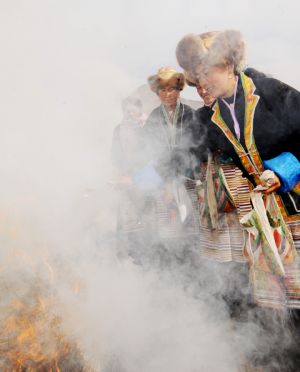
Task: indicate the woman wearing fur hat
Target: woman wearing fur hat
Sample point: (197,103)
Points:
(169,133)
(221,237)
(169,126)
(256,122)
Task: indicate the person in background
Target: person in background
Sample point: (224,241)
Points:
(168,139)
(170,125)
(127,158)
(126,144)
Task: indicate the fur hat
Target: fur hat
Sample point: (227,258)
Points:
(190,80)
(166,77)
(216,48)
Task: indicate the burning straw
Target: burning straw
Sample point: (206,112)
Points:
(31,335)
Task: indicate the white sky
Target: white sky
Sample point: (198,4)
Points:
(140,35)
(66,64)
(151,30)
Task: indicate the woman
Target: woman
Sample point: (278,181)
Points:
(168,135)
(126,155)
(126,143)
(170,126)
(256,122)
(221,237)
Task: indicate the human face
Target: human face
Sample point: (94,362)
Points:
(218,81)
(169,96)
(132,112)
(203,93)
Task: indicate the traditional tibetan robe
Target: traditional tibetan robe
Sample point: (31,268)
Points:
(259,128)
(168,139)
(221,184)
(126,149)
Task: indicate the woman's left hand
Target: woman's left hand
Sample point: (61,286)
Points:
(270,182)
(274,187)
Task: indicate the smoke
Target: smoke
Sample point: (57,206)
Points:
(66,66)
(157,326)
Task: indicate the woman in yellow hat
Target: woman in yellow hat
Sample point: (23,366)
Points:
(169,133)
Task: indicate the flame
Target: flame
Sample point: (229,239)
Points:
(31,336)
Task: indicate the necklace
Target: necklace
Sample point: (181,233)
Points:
(231,107)
(172,124)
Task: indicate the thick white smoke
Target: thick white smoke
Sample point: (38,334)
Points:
(65,67)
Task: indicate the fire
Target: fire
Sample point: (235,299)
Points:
(31,336)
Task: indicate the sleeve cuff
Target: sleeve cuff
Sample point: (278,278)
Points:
(287,168)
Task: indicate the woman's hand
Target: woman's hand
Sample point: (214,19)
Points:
(269,182)
(274,187)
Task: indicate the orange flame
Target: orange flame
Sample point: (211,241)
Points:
(31,338)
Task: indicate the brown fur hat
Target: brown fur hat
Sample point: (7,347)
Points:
(214,48)
(166,77)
